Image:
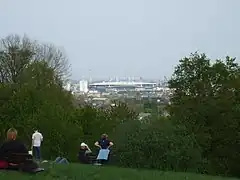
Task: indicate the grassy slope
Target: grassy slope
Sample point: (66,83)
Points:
(89,172)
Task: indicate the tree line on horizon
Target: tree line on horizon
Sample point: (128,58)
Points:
(201,133)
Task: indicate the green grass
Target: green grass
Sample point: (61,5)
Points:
(90,172)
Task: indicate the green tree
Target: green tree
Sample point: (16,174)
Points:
(31,76)
(206,102)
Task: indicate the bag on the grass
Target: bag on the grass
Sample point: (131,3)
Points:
(103,154)
(3,164)
(31,167)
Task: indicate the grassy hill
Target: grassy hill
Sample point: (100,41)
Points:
(89,172)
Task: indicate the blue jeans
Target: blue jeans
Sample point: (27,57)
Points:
(61,160)
(37,153)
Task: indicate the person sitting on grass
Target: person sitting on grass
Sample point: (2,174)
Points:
(14,154)
(83,154)
(61,160)
(104,144)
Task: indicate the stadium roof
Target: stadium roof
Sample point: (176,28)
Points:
(121,83)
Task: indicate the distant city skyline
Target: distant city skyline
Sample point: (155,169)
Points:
(118,79)
(141,38)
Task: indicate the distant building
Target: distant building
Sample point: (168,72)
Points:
(100,101)
(83,86)
(122,86)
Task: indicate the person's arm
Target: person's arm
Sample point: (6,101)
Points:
(97,144)
(110,144)
(41,137)
(33,137)
(88,150)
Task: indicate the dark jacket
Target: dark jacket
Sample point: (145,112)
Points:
(104,143)
(10,147)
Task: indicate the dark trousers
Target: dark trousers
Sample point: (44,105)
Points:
(37,153)
(84,159)
(103,161)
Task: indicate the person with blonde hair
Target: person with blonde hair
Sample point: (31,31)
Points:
(14,154)
(12,145)
(12,134)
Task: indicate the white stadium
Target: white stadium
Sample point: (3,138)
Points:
(115,86)
(124,84)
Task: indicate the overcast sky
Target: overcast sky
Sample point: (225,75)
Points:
(108,38)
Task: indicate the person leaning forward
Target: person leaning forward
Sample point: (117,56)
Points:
(14,154)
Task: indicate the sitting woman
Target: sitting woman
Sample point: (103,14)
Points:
(14,154)
(83,154)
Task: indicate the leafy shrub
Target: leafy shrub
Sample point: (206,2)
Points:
(158,145)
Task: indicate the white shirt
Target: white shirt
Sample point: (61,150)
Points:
(37,139)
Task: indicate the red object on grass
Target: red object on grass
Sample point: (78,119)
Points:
(3,164)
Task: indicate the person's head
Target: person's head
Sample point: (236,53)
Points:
(83,145)
(104,136)
(11,134)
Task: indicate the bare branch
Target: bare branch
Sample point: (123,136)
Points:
(55,58)
(17,53)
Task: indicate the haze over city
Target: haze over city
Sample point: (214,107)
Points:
(144,38)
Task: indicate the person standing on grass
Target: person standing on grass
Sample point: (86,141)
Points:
(104,144)
(37,139)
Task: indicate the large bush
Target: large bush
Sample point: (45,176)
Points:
(157,145)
